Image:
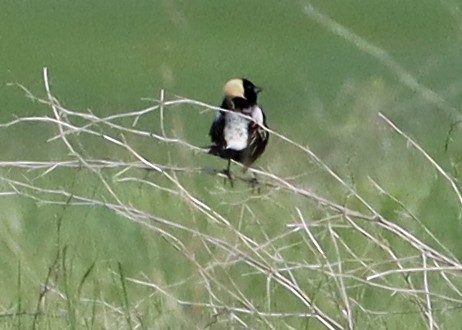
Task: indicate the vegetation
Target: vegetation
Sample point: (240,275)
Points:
(113,217)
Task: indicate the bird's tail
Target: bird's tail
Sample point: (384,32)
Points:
(223,153)
(213,150)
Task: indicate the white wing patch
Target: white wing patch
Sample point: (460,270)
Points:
(257,114)
(236,131)
(218,116)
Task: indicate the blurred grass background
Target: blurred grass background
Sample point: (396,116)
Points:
(319,89)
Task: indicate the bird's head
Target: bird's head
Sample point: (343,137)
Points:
(242,88)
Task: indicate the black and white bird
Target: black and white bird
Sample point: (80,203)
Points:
(234,136)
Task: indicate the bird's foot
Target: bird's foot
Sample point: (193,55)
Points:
(227,172)
(254,185)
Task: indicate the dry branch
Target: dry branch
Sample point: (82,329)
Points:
(323,279)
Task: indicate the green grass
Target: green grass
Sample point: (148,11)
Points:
(320,90)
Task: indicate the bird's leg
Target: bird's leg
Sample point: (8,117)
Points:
(254,183)
(227,172)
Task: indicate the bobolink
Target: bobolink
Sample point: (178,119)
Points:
(234,136)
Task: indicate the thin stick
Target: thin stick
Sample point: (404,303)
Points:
(426,155)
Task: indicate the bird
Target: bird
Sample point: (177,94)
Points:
(240,133)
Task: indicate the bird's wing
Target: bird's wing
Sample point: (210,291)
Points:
(259,116)
(216,130)
(258,136)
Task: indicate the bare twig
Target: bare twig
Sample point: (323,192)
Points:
(298,244)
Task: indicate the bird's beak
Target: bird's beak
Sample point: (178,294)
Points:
(258,90)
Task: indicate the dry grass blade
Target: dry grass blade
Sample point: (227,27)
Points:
(287,257)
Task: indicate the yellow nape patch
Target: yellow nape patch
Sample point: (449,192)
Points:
(234,88)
